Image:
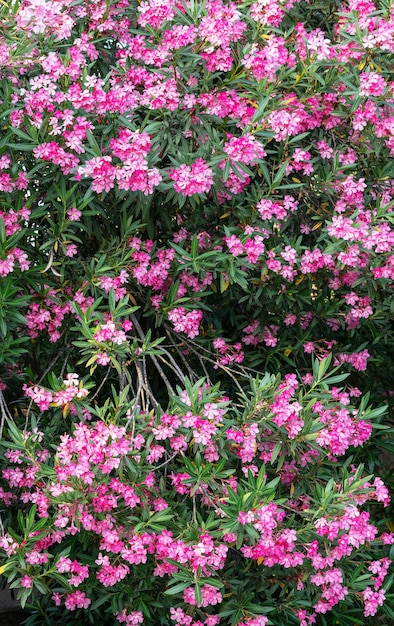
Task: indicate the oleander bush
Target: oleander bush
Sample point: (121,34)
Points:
(196,311)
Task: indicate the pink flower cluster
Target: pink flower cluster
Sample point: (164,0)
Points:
(277,210)
(183,619)
(275,546)
(107,283)
(228,353)
(14,256)
(44,398)
(13,219)
(131,173)
(130,619)
(264,63)
(245,149)
(78,572)
(45,16)
(341,429)
(72,601)
(253,247)
(358,360)
(192,179)
(209,596)
(149,270)
(8,182)
(109,333)
(286,412)
(186,322)
(47,314)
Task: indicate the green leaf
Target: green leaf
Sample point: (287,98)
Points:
(172,591)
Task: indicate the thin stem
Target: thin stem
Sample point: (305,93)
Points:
(100,385)
(193,375)
(152,356)
(5,413)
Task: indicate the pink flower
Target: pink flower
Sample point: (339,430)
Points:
(245,149)
(187,323)
(372,600)
(26,582)
(71,250)
(194,179)
(74,214)
(77,600)
(372,84)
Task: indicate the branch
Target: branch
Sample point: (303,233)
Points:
(152,356)
(192,374)
(5,413)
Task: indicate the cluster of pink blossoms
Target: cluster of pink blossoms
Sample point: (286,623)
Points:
(72,601)
(186,322)
(192,179)
(107,283)
(14,256)
(183,619)
(130,619)
(132,171)
(287,413)
(245,149)
(8,182)
(44,398)
(203,428)
(43,16)
(78,572)
(358,360)
(265,63)
(253,247)
(209,596)
(109,333)
(47,315)
(13,219)
(273,546)
(229,353)
(261,620)
(341,430)
(151,271)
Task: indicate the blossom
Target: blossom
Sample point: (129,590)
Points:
(26,581)
(184,322)
(372,600)
(372,84)
(77,600)
(74,214)
(192,179)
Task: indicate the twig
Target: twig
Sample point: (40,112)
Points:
(100,385)
(144,390)
(188,343)
(131,419)
(166,462)
(171,364)
(141,389)
(5,413)
(152,356)
(148,387)
(192,374)
(229,373)
(64,365)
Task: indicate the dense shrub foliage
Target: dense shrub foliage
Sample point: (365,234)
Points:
(196,341)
